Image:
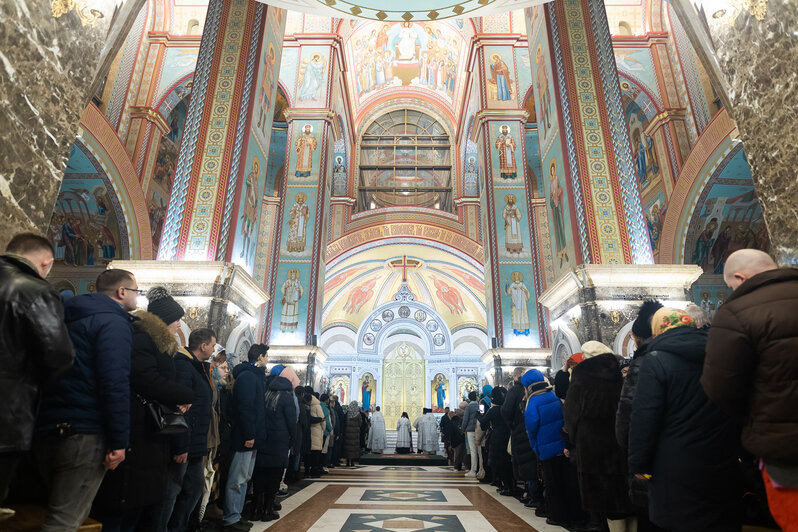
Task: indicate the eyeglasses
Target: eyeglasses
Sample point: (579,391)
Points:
(137,290)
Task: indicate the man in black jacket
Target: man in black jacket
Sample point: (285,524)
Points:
(249,432)
(187,471)
(35,348)
(525,463)
(89,408)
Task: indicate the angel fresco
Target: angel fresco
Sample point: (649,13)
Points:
(311,78)
(359,296)
(449,296)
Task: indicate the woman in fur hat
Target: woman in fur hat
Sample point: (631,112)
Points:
(135,491)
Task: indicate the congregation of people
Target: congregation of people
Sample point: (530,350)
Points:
(117,421)
(697,431)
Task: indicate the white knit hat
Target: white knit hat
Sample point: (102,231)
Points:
(594,348)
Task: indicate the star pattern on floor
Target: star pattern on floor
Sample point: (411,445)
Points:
(403,495)
(402,523)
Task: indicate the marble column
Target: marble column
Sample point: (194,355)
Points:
(600,302)
(52,57)
(750,54)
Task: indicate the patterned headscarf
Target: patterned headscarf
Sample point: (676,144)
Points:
(352,411)
(666,319)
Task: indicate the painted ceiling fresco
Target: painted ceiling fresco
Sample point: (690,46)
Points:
(356,286)
(413,10)
(421,57)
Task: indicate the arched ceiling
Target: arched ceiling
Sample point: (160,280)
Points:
(408,10)
(356,286)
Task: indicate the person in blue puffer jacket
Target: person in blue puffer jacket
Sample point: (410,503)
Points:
(544,421)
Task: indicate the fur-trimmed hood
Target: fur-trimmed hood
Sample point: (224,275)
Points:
(165,341)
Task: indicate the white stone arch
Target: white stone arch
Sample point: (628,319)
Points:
(238,343)
(624,343)
(565,344)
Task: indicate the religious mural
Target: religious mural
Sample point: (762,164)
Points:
(440,392)
(557,203)
(500,77)
(367,391)
(466,385)
(356,286)
(258,149)
(655,210)
(312,77)
(305,146)
(727,217)
(424,54)
(163,173)
(339,387)
(506,153)
(519,295)
(85,228)
(543,86)
(292,292)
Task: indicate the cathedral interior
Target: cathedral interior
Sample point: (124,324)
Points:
(403,204)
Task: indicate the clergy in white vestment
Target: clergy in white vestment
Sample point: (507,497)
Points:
(404,435)
(377,432)
(427,427)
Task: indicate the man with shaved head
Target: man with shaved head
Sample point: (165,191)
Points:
(751,370)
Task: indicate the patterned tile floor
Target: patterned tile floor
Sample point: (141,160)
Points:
(401,499)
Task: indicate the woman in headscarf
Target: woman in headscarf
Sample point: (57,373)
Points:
(352,436)
(404,436)
(678,438)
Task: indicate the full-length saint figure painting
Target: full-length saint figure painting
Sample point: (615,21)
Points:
(512,225)
(500,77)
(311,75)
(557,206)
(439,388)
(367,390)
(305,146)
(543,88)
(505,143)
(250,213)
(297,224)
(292,293)
(519,297)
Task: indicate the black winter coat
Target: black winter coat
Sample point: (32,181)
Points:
(561,380)
(523,456)
(140,480)
(682,439)
(589,415)
(302,429)
(35,349)
(226,406)
(191,373)
(624,411)
(352,437)
(281,418)
(445,428)
(93,397)
(456,436)
(248,391)
(499,435)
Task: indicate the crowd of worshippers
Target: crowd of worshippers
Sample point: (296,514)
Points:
(108,416)
(122,423)
(696,431)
